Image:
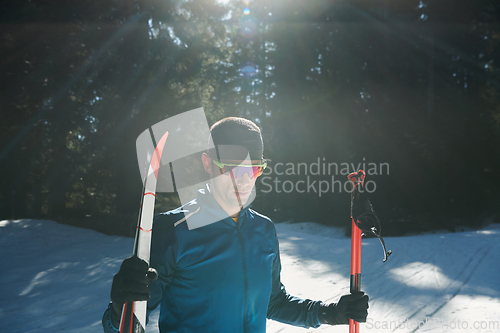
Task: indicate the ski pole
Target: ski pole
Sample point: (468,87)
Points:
(363,220)
(355,284)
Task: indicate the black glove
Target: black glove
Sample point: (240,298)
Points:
(353,306)
(131,283)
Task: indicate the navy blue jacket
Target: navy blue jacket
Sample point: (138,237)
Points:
(221,276)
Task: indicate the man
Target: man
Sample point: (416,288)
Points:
(215,263)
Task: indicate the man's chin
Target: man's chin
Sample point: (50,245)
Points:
(241,197)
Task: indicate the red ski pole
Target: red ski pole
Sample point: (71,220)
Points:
(357,178)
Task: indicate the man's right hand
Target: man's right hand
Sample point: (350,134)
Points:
(131,283)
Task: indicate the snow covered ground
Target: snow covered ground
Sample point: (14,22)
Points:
(57,278)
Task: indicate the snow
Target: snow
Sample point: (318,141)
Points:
(57,278)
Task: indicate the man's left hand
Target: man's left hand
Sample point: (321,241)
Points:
(353,306)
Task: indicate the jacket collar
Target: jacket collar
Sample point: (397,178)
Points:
(212,211)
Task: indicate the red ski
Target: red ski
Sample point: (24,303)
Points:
(133,318)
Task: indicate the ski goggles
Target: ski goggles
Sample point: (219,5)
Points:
(237,171)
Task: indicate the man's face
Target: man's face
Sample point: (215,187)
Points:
(231,192)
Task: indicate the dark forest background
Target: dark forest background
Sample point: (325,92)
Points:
(414,84)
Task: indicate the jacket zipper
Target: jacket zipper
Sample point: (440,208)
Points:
(245,279)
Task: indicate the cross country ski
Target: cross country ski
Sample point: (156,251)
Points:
(133,318)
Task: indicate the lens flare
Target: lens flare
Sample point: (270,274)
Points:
(246,11)
(248,70)
(248,26)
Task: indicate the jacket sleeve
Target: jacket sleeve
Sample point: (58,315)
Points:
(107,325)
(163,259)
(289,309)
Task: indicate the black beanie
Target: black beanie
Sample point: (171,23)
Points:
(234,138)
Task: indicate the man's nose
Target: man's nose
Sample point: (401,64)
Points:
(244,180)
